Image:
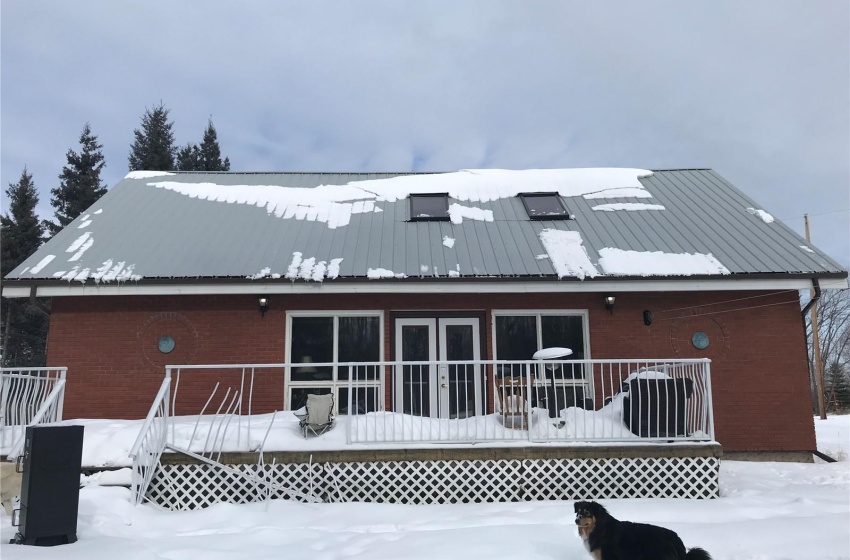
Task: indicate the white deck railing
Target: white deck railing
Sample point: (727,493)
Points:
(28,397)
(551,401)
(458,402)
(437,402)
(151,442)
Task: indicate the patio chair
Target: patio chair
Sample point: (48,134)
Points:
(513,402)
(317,416)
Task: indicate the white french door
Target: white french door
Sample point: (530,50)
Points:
(444,390)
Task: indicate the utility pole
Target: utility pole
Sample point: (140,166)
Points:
(816,342)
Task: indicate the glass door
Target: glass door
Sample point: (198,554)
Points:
(416,341)
(438,390)
(460,384)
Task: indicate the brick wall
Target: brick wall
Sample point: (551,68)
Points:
(759,372)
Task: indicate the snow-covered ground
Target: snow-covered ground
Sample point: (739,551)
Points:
(767,511)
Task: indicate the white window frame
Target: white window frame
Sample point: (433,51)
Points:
(334,384)
(538,313)
(583,313)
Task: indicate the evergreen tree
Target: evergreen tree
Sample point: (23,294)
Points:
(22,231)
(206,157)
(80,185)
(189,158)
(24,325)
(153,148)
(211,153)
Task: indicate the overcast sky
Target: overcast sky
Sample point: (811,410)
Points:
(758,91)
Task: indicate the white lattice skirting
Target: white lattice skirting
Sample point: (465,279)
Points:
(190,486)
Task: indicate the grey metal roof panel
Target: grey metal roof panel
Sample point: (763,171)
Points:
(160,233)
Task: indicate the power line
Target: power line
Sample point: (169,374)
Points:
(819,214)
(730,301)
(725,311)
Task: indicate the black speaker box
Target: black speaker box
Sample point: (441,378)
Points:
(50,486)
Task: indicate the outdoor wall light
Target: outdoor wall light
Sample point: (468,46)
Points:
(264,305)
(609,303)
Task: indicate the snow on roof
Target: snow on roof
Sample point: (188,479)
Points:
(568,255)
(765,217)
(376,273)
(458,212)
(335,204)
(80,246)
(628,206)
(308,269)
(638,263)
(41,264)
(147,174)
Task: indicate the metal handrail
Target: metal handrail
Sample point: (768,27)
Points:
(29,396)
(54,399)
(151,442)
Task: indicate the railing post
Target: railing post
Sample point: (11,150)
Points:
(348,435)
(167,408)
(528,410)
(710,397)
(61,407)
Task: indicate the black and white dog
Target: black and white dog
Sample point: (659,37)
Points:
(606,538)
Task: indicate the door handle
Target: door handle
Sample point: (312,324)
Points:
(443,385)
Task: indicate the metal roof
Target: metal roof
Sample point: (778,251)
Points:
(145,233)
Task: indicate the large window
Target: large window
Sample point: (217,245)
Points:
(519,334)
(325,346)
(558,384)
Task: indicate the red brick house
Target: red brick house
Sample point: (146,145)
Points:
(170,268)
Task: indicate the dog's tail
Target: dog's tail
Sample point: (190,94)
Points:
(697,554)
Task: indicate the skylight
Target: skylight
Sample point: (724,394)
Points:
(425,207)
(544,206)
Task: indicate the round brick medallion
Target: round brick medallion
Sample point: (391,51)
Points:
(167,339)
(698,337)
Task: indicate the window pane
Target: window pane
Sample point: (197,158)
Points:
(565,331)
(424,207)
(312,342)
(415,343)
(459,342)
(416,390)
(359,341)
(542,206)
(299,395)
(363,400)
(516,337)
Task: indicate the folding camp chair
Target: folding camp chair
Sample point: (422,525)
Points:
(318,415)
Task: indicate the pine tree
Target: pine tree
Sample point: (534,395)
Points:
(206,157)
(211,153)
(80,185)
(24,325)
(153,148)
(189,158)
(22,231)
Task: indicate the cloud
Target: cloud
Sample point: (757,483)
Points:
(756,91)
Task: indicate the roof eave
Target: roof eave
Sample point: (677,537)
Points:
(236,285)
